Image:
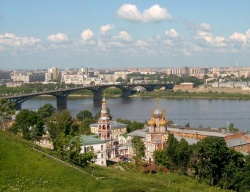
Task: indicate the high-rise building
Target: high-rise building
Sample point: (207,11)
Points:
(55,73)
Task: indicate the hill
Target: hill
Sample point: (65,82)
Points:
(23,169)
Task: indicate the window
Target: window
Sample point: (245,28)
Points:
(101,155)
(101,147)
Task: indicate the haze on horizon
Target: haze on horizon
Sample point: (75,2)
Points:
(121,34)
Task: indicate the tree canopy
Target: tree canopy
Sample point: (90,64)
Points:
(83,114)
(138,149)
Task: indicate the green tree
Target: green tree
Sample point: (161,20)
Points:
(161,158)
(24,123)
(131,125)
(46,111)
(75,154)
(233,164)
(121,80)
(7,108)
(171,148)
(243,176)
(38,130)
(208,159)
(83,114)
(60,125)
(84,126)
(98,114)
(138,148)
(183,154)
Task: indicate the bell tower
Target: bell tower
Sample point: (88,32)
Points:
(104,129)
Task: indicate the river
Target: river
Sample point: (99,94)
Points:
(204,113)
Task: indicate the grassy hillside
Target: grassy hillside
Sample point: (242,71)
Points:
(23,169)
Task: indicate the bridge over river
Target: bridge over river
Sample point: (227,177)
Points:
(62,94)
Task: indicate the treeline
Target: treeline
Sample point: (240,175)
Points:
(210,161)
(186,94)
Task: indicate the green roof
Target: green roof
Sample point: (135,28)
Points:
(125,135)
(90,139)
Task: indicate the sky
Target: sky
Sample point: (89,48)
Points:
(123,34)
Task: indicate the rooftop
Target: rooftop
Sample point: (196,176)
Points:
(205,132)
(236,142)
(90,139)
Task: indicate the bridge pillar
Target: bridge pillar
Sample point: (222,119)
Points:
(18,106)
(150,89)
(126,93)
(61,102)
(97,95)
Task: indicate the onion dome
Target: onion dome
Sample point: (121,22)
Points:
(157,113)
(163,122)
(151,121)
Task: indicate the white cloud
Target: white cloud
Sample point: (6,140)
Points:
(205,27)
(210,39)
(239,37)
(105,28)
(248,33)
(153,14)
(10,39)
(172,33)
(141,43)
(87,34)
(58,38)
(101,45)
(169,42)
(124,36)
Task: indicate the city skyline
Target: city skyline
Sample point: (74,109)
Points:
(123,34)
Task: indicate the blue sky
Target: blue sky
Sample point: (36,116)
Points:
(121,34)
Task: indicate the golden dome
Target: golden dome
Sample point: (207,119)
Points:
(164,121)
(151,121)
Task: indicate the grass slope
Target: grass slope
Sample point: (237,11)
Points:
(23,169)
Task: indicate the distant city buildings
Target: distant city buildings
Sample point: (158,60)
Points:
(86,76)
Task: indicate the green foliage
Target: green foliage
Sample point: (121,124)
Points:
(83,114)
(74,153)
(84,126)
(183,154)
(161,158)
(24,123)
(46,111)
(175,156)
(131,125)
(185,94)
(113,91)
(7,107)
(171,148)
(138,149)
(243,176)
(216,164)
(98,114)
(59,126)
(121,80)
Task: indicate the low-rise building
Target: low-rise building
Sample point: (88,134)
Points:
(99,146)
